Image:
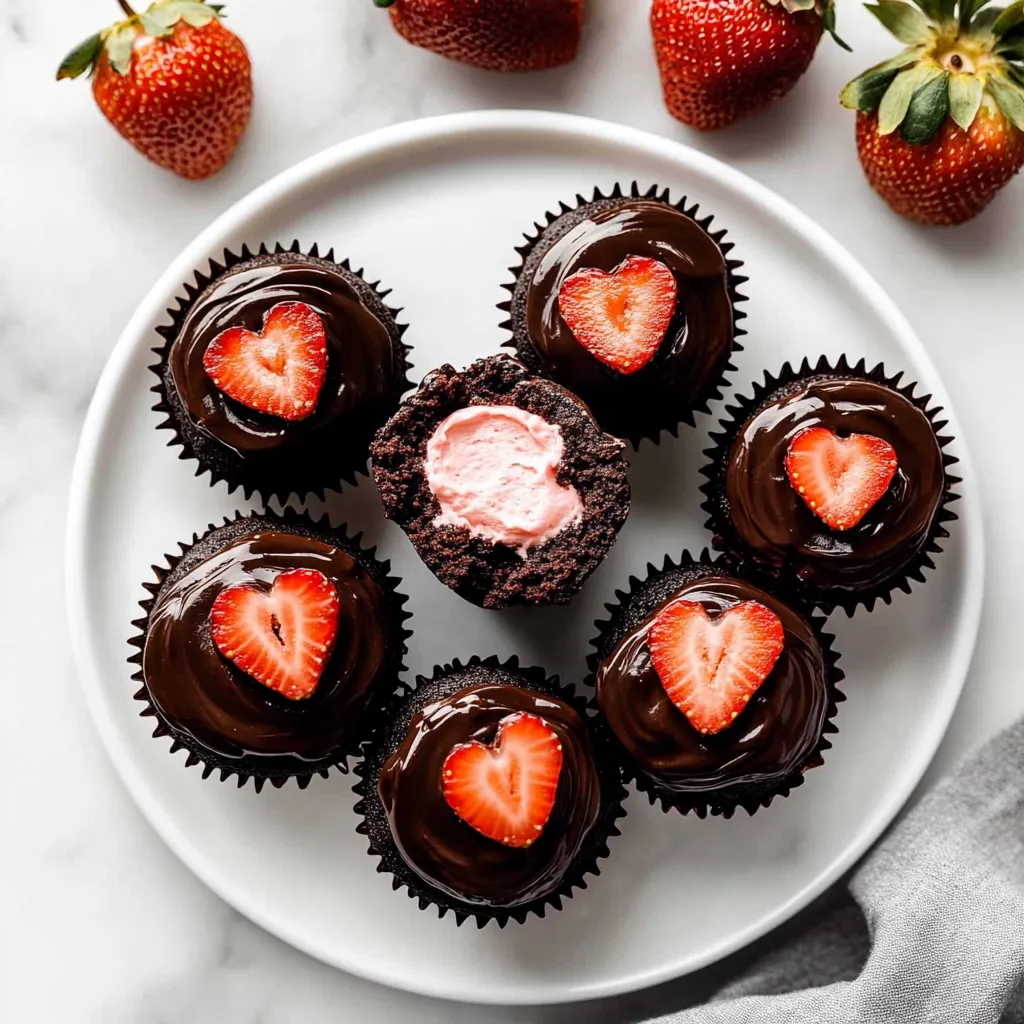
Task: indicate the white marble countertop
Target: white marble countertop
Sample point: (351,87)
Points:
(100,922)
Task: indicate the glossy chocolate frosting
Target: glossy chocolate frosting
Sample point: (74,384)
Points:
(697,345)
(773,737)
(205,697)
(448,853)
(774,522)
(364,378)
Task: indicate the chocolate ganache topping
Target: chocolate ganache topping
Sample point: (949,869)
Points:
(772,737)
(202,694)
(450,854)
(359,390)
(776,524)
(698,342)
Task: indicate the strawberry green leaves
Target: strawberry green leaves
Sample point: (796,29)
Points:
(865,92)
(161,18)
(158,21)
(1010,97)
(1009,19)
(965,93)
(957,53)
(896,101)
(81,58)
(906,23)
(928,109)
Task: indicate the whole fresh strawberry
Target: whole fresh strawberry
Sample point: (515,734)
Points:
(940,127)
(173,81)
(499,35)
(721,59)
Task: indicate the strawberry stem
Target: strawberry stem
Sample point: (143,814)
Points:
(127,8)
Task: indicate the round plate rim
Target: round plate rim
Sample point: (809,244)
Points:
(329,161)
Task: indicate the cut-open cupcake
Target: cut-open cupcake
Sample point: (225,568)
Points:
(505,484)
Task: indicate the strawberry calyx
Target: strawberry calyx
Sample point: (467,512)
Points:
(825,9)
(158,20)
(962,58)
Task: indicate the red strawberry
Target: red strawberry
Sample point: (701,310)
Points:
(500,35)
(282,637)
(280,370)
(840,478)
(940,127)
(620,318)
(506,790)
(709,667)
(721,59)
(173,81)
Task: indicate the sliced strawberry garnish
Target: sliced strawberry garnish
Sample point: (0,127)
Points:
(282,637)
(620,318)
(506,790)
(840,478)
(709,667)
(280,370)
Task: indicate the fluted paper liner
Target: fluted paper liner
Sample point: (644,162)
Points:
(388,685)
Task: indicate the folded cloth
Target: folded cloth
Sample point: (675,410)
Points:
(941,901)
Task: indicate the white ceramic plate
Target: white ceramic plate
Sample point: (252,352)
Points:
(434,209)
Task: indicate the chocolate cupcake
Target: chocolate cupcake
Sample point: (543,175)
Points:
(832,481)
(278,368)
(719,693)
(269,647)
(629,301)
(504,483)
(440,808)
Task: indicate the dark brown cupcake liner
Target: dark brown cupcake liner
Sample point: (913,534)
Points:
(685,413)
(637,602)
(269,481)
(715,503)
(274,772)
(387,736)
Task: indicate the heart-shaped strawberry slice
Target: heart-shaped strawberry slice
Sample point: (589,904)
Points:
(711,667)
(840,478)
(283,636)
(279,371)
(506,790)
(620,318)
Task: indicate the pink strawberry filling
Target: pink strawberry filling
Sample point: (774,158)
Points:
(493,470)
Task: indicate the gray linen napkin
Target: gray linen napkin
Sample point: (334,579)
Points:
(943,901)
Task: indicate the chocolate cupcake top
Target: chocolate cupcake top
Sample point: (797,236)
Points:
(836,479)
(504,483)
(769,739)
(280,370)
(333,612)
(628,302)
(478,721)
(741,738)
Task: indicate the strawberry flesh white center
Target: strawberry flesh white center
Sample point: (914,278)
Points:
(283,637)
(711,667)
(840,479)
(279,371)
(506,791)
(620,318)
